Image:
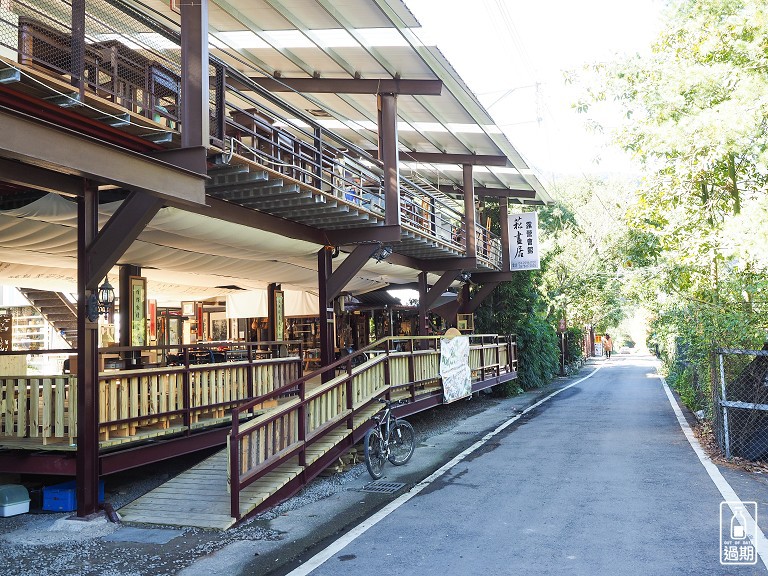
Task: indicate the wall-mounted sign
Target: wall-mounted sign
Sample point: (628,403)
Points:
(138,311)
(524,241)
(279,315)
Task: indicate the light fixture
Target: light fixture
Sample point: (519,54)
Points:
(382,253)
(465,277)
(101,303)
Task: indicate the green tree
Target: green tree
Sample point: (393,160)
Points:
(695,112)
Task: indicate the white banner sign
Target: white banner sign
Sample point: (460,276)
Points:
(524,241)
(454,368)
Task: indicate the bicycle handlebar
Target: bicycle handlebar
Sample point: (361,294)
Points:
(392,402)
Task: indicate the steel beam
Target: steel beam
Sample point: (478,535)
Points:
(75,154)
(229,212)
(470,242)
(324,270)
(387,120)
(195,123)
(523,192)
(121,460)
(87,363)
(47,463)
(39,179)
(444,158)
(485,291)
(485,277)
(439,287)
(504,223)
(371,86)
(119,232)
(423,308)
(369,234)
(347,269)
(440,264)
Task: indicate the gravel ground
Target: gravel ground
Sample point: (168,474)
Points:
(48,544)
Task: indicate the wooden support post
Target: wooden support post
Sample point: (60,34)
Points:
(87,465)
(194,75)
(469,213)
(388,154)
(78,47)
(326,310)
(504,222)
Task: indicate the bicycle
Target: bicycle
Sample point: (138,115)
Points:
(390,439)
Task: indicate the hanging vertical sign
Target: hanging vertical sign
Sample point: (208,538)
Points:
(524,241)
(454,367)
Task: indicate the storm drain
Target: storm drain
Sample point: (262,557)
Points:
(381,487)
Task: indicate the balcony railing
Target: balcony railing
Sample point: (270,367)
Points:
(132,59)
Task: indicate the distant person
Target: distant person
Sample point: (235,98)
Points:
(607,345)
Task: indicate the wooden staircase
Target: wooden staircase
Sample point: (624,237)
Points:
(57,310)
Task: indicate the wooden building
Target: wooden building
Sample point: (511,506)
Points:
(206,148)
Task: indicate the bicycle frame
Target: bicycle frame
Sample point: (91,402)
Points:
(385,422)
(389,439)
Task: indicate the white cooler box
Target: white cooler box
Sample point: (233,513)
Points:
(14,499)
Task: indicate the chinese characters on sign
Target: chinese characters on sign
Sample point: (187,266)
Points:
(738,522)
(524,241)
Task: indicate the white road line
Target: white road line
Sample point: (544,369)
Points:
(729,494)
(336,547)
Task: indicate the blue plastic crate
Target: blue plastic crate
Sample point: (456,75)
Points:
(63,497)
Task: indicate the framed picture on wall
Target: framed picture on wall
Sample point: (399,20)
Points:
(138,310)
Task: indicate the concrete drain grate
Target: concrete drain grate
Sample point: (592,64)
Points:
(381,487)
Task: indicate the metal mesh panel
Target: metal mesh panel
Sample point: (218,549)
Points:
(740,415)
(126,59)
(382,487)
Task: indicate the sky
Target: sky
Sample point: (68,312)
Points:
(512,54)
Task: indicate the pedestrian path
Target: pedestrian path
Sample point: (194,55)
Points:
(599,479)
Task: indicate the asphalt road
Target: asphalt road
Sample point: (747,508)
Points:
(598,480)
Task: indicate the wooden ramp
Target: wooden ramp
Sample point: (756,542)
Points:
(199,497)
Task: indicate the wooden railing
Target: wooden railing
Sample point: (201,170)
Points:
(260,444)
(38,407)
(134,402)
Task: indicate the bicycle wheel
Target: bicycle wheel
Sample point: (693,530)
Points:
(402,442)
(373,451)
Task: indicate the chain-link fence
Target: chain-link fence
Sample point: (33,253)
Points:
(740,402)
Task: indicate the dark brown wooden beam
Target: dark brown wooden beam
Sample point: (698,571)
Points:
(346,85)
(441,158)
